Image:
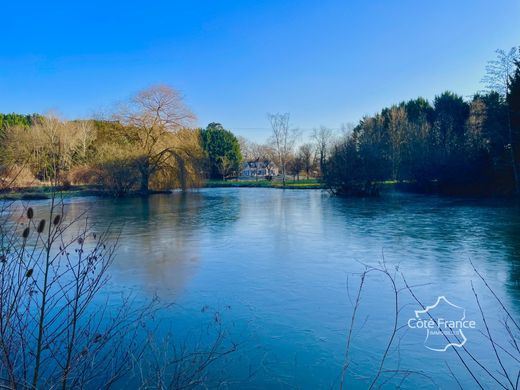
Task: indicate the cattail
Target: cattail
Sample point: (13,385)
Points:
(25,233)
(41,226)
(57,220)
(30,213)
(29,273)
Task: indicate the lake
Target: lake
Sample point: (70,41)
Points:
(282,267)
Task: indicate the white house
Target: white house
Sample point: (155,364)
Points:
(259,168)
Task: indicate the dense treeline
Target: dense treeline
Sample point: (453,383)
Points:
(449,145)
(10,120)
(148,143)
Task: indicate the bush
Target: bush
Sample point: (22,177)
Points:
(118,177)
(17,177)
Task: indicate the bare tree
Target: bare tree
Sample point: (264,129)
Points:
(56,332)
(499,71)
(306,156)
(86,137)
(323,138)
(473,371)
(50,147)
(153,115)
(283,140)
(498,77)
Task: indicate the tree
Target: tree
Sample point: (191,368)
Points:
(282,139)
(151,117)
(450,116)
(50,146)
(348,173)
(513,102)
(17,120)
(499,74)
(295,166)
(222,149)
(323,138)
(500,70)
(246,148)
(398,130)
(305,154)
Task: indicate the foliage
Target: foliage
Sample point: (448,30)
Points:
(222,149)
(49,147)
(453,145)
(513,103)
(151,118)
(145,145)
(17,120)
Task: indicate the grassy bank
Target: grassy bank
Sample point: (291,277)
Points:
(42,193)
(292,184)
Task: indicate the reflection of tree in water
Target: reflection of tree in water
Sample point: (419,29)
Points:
(511,234)
(439,234)
(161,235)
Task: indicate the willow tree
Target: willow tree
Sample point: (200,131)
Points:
(152,117)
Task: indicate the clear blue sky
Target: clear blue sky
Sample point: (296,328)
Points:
(325,61)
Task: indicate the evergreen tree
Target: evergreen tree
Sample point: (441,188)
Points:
(222,149)
(513,102)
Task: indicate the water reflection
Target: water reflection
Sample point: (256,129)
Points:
(280,261)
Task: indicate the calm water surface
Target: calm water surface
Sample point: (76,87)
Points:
(279,266)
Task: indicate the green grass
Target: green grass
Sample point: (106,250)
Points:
(295,184)
(36,193)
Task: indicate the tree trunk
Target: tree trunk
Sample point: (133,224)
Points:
(514,164)
(145,182)
(322,163)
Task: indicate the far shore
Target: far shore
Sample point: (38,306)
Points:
(45,192)
(303,184)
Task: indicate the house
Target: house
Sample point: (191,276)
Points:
(259,168)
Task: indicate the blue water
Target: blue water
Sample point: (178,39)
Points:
(282,268)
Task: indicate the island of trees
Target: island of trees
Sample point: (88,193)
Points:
(450,145)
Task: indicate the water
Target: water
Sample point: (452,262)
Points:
(280,267)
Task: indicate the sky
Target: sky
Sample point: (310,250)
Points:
(327,62)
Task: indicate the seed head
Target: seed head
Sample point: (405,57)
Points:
(41,226)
